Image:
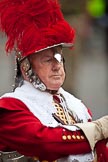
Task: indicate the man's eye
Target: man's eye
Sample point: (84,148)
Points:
(48,60)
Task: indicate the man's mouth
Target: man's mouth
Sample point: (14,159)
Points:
(56,76)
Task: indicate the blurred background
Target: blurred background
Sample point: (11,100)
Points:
(86,64)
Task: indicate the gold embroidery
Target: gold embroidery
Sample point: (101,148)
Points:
(60,115)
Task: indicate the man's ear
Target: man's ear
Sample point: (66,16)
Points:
(24,67)
(23,72)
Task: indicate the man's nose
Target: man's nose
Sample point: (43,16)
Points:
(56,65)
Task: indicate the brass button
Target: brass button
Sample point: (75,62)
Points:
(69,137)
(64,137)
(73,136)
(82,137)
(78,137)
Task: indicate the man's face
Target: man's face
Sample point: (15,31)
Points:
(50,71)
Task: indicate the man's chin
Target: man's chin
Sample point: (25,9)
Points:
(55,87)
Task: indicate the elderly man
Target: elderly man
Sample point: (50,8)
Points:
(39,119)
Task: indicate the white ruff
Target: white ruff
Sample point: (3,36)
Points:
(40,104)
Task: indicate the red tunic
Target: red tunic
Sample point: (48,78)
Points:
(20,130)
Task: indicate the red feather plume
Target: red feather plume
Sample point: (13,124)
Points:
(31,25)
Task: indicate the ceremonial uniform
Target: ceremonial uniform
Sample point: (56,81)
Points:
(31,123)
(39,120)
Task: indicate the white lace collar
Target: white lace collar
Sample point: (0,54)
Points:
(40,103)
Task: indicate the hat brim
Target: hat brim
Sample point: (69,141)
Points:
(64,45)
